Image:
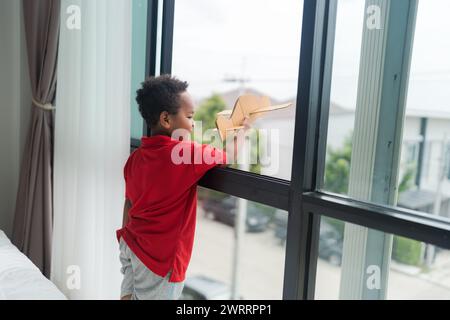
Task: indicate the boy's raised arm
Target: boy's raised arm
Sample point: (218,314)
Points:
(237,143)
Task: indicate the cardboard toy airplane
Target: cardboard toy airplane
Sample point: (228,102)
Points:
(246,105)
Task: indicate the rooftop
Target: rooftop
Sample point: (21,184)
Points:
(231,96)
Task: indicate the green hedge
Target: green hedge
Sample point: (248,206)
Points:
(339,225)
(407,251)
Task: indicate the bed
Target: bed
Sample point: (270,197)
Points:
(20,279)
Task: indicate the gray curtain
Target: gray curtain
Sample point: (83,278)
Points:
(33,220)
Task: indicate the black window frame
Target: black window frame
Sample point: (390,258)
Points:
(301,196)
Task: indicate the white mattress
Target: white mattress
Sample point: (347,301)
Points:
(20,279)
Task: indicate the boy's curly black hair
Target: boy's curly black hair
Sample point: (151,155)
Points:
(159,94)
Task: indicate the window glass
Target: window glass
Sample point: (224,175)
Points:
(427,124)
(229,260)
(223,56)
(363,159)
(138,54)
(387,139)
(415,271)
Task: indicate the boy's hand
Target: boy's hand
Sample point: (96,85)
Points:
(246,124)
(238,141)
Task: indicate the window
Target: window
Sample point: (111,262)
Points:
(229,261)
(373,158)
(138,67)
(373,151)
(355,134)
(223,56)
(416,270)
(428,97)
(411,153)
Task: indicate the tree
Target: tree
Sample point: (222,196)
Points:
(407,181)
(206,113)
(337,168)
(337,174)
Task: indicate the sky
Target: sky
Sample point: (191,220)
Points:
(259,40)
(254,39)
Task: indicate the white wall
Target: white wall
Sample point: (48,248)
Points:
(279,156)
(411,129)
(14,106)
(340,127)
(437,131)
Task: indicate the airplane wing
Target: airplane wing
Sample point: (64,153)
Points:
(271,108)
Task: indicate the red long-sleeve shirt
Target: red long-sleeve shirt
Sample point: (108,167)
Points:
(163,192)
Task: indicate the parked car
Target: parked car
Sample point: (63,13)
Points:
(205,288)
(330,240)
(281,221)
(224,210)
(330,244)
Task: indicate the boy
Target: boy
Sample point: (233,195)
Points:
(159,218)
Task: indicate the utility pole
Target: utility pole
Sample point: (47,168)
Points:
(241,212)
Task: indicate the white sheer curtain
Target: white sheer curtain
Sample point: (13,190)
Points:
(92,138)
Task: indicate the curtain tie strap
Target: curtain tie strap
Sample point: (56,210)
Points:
(47,106)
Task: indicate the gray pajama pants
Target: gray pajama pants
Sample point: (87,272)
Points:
(143,284)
